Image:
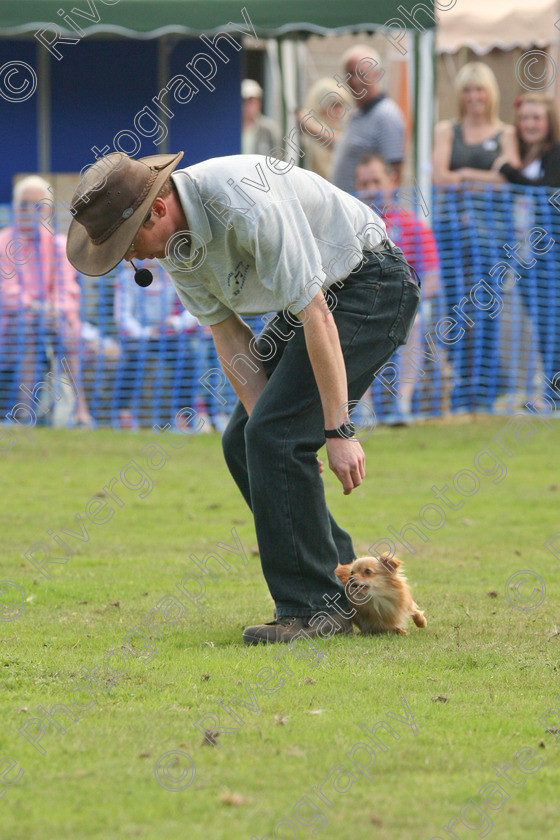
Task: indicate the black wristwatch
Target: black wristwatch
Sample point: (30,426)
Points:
(346,430)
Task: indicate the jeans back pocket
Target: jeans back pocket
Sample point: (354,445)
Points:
(409,304)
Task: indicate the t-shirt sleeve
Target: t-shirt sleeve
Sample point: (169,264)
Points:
(287,260)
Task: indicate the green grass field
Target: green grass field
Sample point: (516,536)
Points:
(474,683)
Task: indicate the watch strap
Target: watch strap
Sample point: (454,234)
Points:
(345,430)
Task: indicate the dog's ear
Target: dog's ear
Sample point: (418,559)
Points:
(390,563)
(343,573)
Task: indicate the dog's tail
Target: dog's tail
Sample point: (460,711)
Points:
(418,616)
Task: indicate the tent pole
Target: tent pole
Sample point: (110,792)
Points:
(290,69)
(273,82)
(425,112)
(43,111)
(163,50)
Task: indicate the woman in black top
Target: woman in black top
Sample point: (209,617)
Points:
(468,222)
(538,134)
(537,130)
(466,148)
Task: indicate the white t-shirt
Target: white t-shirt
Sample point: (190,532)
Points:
(263,241)
(532,170)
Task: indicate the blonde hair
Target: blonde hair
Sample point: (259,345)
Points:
(31,182)
(322,88)
(553,135)
(478,73)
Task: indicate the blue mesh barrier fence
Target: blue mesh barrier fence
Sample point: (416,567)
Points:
(76,349)
(499,251)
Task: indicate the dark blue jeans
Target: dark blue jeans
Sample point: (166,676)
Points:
(272,455)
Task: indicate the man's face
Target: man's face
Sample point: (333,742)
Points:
(365,75)
(355,82)
(151,239)
(252,108)
(373,177)
(28,213)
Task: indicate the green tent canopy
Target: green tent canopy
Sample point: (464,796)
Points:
(287,22)
(155,18)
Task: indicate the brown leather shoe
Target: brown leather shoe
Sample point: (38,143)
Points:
(286,629)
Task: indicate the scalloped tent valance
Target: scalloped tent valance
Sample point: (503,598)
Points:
(503,24)
(149,19)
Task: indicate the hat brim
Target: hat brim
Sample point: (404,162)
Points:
(96,260)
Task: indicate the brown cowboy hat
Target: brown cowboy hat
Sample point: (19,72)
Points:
(110,206)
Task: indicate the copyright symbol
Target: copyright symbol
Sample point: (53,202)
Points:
(174,779)
(177,251)
(361,415)
(9,87)
(12,611)
(528,599)
(531,75)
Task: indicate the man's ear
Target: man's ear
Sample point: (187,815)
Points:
(159,207)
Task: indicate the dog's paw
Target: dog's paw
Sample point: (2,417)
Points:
(419,618)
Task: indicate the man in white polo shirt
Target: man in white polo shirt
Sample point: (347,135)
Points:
(247,235)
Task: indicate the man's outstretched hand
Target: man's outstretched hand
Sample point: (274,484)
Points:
(347,460)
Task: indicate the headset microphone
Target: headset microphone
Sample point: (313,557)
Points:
(142,276)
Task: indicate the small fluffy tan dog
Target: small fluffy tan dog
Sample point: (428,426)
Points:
(390,603)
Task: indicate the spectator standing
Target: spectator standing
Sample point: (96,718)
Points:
(322,123)
(260,134)
(39,298)
(538,134)
(375,177)
(536,124)
(377,125)
(465,149)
